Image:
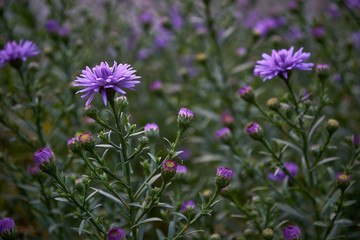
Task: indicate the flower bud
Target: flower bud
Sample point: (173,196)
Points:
(322,70)
(34,169)
(247,94)
(223,134)
(273,104)
(151,131)
(291,233)
(223,177)
(8,229)
(86,141)
(187,206)
(255,131)
(144,140)
(201,58)
(185,118)
(168,169)
(268,234)
(156,86)
(227,118)
(116,233)
(122,103)
(91,111)
(343,180)
(74,144)
(332,125)
(43,155)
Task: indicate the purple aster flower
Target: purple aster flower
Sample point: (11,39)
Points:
(14,52)
(266,25)
(333,11)
(102,78)
(222,133)
(352,3)
(181,169)
(6,225)
(281,62)
(43,155)
(226,117)
(223,176)
(291,233)
(281,176)
(243,90)
(247,94)
(52,26)
(292,5)
(185,154)
(318,32)
(241,51)
(161,40)
(168,169)
(253,128)
(184,112)
(355,39)
(175,18)
(156,85)
(151,127)
(251,19)
(34,169)
(64,31)
(116,233)
(342,177)
(187,204)
(146,18)
(142,54)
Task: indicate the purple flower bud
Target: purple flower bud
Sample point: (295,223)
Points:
(352,3)
(34,169)
(185,118)
(175,18)
(181,169)
(356,39)
(142,54)
(343,180)
(52,26)
(223,133)
(73,144)
(146,18)
(168,169)
(151,131)
(356,140)
(318,32)
(86,141)
(224,176)
(241,51)
(185,154)
(292,5)
(186,205)
(226,117)
(64,31)
(255,131)
(116,233)
(281,176)
(43,155)
(7,225)
(157,85)
(247,94)
(333,11)
(291,233)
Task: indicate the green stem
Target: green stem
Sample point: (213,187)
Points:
(339,208)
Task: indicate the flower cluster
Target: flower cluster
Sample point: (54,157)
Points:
(14,52)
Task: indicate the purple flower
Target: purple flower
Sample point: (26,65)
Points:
(352,3)
(181,169)
(226,117)
(342,177)
(142,54)
(251,19)
(72,141)
(103,77)
(146,18)
(224,172)
(292,5)
(241,51)
(34,169)
(187,204)
(252,128)
(151,127)
(322,66)
(281,62)
(52,26)
(266,25)
(291,233)
(184,112)
(116,233)
(185,154)
(356,140)
(64,31)
(15,52)
(43,155)
(156,85)
(294,33)
(333,11)
(355,39)
(168,170)
(318,32)
(222,133)
(161,40)
(281,176)
(244,91)
(6,225)
(175,18)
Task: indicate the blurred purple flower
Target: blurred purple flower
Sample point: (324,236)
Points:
(186,154)
(142,54)
(222,133)
(253,128)
(291,233)
(356,39)
(146,18)
(265,25)
(103,77)
(224,172)
(43,155)
(6,225)
(34,169)
(281,176)
(252,18)
(181,169)
(294,33)
(13,52)
(281,62)
(64,31)
(52,26)
(356,140)
(161,40)
(175,18)
(318,32)
(292,5)
(156,85)
(187,204)
(226,117)
(116,233)
(184,112)
(352,3)
(151,127)
(241,51)
(333,11)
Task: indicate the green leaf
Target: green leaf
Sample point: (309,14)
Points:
(326,160)
(62,199)
(313,129)
(171,230)
(153,219)
(82,225)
